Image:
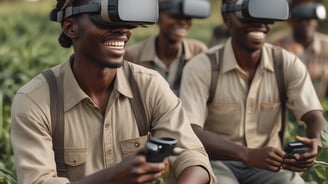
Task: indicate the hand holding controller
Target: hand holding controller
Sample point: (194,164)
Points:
(158,148)
(296,148)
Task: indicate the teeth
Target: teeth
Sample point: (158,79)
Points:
(259,35)
(115,44)
(181,31)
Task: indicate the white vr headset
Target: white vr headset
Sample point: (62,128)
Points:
(115,12)
(316,11)
(186,8)
(258,10)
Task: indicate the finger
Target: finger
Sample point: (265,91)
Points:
(273,168)
(295,168)
(296,162)
(280,153)
(149,178)
(274,163)
(154,167)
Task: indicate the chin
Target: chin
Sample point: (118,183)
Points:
(113,63)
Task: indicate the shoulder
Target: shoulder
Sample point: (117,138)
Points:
(322,36)
(195,46)
(287,55)
(137,45)
(144,75)
(201,63)
(33,99)
(140,49)
(37,88)
(151,84)
(323,39)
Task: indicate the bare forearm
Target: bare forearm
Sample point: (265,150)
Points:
(225,150)
(315,122)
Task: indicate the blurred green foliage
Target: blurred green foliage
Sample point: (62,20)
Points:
(29,45)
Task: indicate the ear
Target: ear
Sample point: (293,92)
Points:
(70,27)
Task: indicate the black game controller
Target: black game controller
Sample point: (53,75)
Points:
(295,147)
(158,148)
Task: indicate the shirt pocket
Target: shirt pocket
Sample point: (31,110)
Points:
(223,118)
(268,117)
(75,159)
(131,146)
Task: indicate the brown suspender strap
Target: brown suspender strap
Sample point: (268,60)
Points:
(279,72)
(215,67)
(57,119)
(136,102)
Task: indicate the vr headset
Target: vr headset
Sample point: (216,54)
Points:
(258,10)
(186,8)
(316,11)
(131,13)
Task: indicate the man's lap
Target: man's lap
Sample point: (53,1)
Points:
(232,172)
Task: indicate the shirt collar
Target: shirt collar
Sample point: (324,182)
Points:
(73,94)
(231,62)
(149,52)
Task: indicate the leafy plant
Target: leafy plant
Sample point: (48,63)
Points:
(319,171)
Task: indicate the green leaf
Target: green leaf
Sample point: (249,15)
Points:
(324,138)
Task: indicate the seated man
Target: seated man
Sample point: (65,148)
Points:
(239,115)
(170,50)
(100,138)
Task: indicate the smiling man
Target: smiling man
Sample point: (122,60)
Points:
(170,50)
(232,97)
(95,136)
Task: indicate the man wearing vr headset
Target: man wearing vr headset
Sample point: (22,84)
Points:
(168,51)
(307,43)
(101,141)
(240,125)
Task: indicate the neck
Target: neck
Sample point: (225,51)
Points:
(305,41)
(248,60)
(167,51)
(95,81)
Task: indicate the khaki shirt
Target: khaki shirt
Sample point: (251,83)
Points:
(315,57)
(93,141)
(144,53)
(247,114)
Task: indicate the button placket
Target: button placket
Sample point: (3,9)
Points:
(107,134)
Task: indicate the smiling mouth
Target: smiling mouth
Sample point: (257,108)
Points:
(115,44)
(257,35)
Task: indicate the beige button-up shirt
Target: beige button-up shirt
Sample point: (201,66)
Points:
(94,141)
(315,57)
(144,53)
(247,114)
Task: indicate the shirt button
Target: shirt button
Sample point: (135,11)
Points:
(107,125)
(136,144)
(109,152)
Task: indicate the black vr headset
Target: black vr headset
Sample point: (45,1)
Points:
(258,10)
(186,8)
(130,13)
(314,11)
